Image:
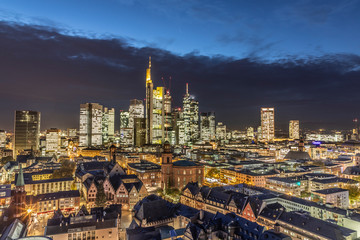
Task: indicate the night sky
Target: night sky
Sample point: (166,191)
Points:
(303,58)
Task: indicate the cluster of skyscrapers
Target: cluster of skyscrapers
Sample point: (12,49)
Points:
(97,124)
(154,122)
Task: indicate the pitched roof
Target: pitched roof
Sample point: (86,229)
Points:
(315,226)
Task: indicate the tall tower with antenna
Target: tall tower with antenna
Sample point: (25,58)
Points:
(149,105)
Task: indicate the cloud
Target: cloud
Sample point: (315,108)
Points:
(46,70)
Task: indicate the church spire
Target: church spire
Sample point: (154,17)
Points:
(148,72)
(20,179)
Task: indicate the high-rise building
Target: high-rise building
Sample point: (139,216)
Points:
(149,104)
(220,131)
(267,124)
(178,126)
(90,130)
(111,124)
(191,118)
(207,126)
(139,131)
(294,129)
(108,125)
(2,138)
(27,130)
(53,139)
(126,132)
(158,116)
(136,110)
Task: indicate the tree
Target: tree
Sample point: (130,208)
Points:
(100,196)
(305,194)
(66,170)
(354,193)
(213,173)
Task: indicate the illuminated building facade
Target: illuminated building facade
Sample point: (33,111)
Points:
(108,125)
(2,138)
(154,110)
(294,129)
(267,124)
(52,140)
(158,115)
(71,132)
(136,110)
(178,125)
(250,132)
(220,131)
(90,130)
(170,130)
(126,132)
(207,126)
(191,118)
(325,137)
(27,130)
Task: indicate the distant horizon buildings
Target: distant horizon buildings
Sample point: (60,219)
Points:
(267,124)
(26,130)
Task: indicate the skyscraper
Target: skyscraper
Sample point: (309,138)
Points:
(52,140)
(126,132)
(108,125)
(169,129)
(149,105)
(111,124)
(90,130)
(158,116)
(2,138)
(27,130)
(139,131)
(294,129)
(267,124)
(191,118)
(136,110)
(207,126)
(178,125)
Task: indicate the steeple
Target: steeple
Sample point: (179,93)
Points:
(148,72)
(20,179)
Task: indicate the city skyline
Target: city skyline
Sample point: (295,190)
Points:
(67,69)
(176,119)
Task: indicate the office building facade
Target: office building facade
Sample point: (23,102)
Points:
(267,124)
(27,130)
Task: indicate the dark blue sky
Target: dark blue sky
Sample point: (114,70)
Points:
(301,57)
(269,29)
